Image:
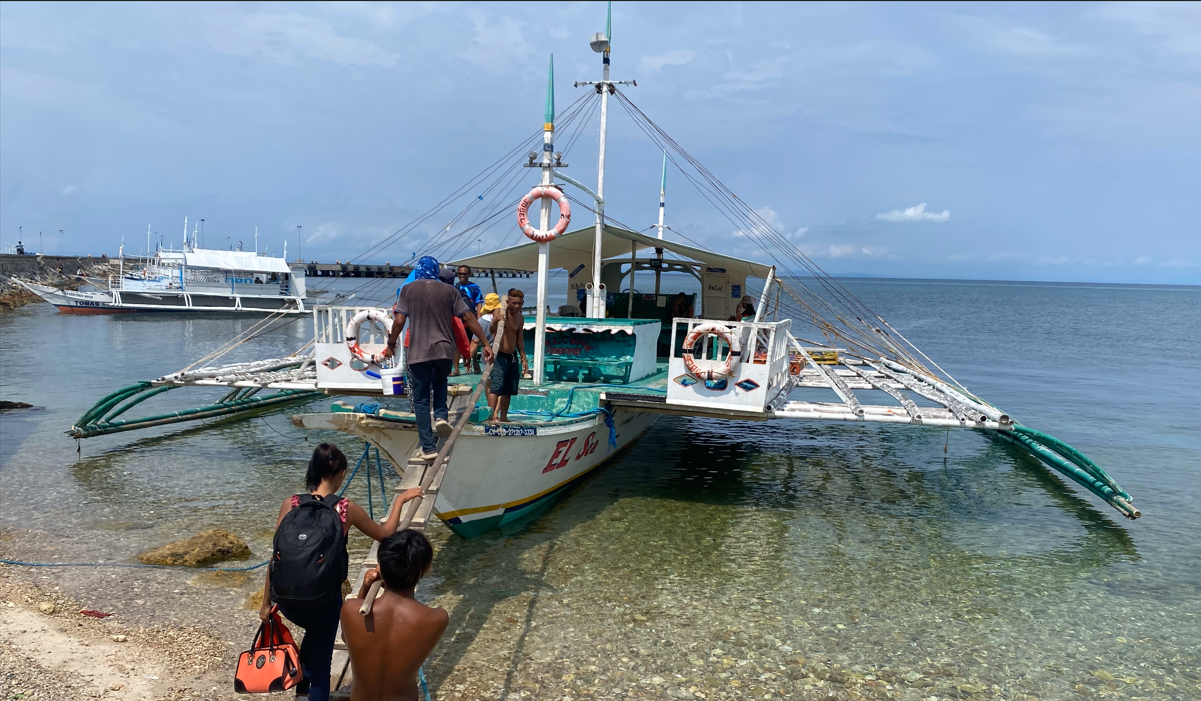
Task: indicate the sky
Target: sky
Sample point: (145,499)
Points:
(1023,141)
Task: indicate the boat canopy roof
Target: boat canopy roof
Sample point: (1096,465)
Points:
(235,260)
(616,244)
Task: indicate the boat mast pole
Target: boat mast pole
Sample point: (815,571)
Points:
(662,206)
(600,44)
(548,147)
(604,87)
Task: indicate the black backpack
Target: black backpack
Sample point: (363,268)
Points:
(309,560)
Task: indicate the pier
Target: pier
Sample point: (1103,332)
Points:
(346,269)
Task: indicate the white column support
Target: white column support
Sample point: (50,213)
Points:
(771,277)
(633,265)
(595,306)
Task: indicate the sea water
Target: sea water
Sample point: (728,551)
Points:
(722,559)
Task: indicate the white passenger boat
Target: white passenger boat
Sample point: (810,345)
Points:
(811,352)
(192,279)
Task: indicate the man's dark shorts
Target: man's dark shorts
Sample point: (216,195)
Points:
(506,374)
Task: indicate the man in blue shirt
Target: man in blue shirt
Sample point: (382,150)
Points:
(469,289)
(474,299)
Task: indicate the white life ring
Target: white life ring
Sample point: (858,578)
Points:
(712,369)
(352,333)
(523,213)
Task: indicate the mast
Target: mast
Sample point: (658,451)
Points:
(600,44)
(256,240)
(548,147)
(662,207)
(185,233)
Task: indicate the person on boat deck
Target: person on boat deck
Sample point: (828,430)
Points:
(462,335)
(430,306)
(746,311)
(505,376)
(469,289)
(327,470)
(388,646)
(490,305)
(682,307)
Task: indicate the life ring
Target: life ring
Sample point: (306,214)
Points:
(523,213)
(352,334)
(713,369)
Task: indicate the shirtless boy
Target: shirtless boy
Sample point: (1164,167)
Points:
(388,646)
(505,375)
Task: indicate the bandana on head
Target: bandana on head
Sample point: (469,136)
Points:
(427,268)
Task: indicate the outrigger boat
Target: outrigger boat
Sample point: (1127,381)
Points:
(192,279)
(600,380)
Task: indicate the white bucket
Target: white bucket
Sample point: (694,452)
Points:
(392,381)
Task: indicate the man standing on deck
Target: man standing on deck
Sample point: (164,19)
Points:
(431,307)
(469,289)
(506,378)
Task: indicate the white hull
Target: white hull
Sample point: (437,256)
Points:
(496,479)
(117,302)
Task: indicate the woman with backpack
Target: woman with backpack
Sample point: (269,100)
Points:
(309,561)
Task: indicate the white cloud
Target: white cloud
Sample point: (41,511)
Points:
(773,219)
(846,250)
(917,213)
(678,57)
(1175,26)
(281,37)
(1018,40)
(1142,260)
(498,41)
(68,189)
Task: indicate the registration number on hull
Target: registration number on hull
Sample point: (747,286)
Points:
(510,430)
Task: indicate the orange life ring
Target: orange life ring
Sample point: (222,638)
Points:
(712,369)
(523,213)
(352,334)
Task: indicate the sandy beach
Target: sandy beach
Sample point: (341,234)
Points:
(49,650)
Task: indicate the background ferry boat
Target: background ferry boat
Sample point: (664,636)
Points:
(192,279)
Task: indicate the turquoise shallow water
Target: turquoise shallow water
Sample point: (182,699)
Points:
(732,559)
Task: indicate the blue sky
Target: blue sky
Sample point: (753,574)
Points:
(1013,141)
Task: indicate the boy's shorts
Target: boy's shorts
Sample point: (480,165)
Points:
(506,375)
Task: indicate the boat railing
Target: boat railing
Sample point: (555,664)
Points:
(337,369)
(756,380)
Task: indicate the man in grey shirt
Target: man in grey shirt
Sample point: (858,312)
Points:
(430,306)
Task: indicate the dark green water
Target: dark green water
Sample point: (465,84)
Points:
(734,559)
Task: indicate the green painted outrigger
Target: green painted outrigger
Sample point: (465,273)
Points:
(242,395)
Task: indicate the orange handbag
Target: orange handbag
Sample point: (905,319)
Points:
(272,663)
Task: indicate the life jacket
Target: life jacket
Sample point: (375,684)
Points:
(309,560)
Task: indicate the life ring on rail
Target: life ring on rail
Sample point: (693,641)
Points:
(352,333)
(711,369)
(523,213)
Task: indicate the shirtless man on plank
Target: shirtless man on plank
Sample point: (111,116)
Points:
(388,646)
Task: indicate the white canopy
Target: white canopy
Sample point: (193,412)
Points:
(235,260)
(616,244)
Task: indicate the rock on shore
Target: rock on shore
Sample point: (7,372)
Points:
(202,549)
(46,270)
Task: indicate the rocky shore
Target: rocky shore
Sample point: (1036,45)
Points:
(56,271)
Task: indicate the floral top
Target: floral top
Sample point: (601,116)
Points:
(342,507)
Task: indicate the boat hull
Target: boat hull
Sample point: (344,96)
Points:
(91,303)
(495,479)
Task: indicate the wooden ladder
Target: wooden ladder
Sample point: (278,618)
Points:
(415,514)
